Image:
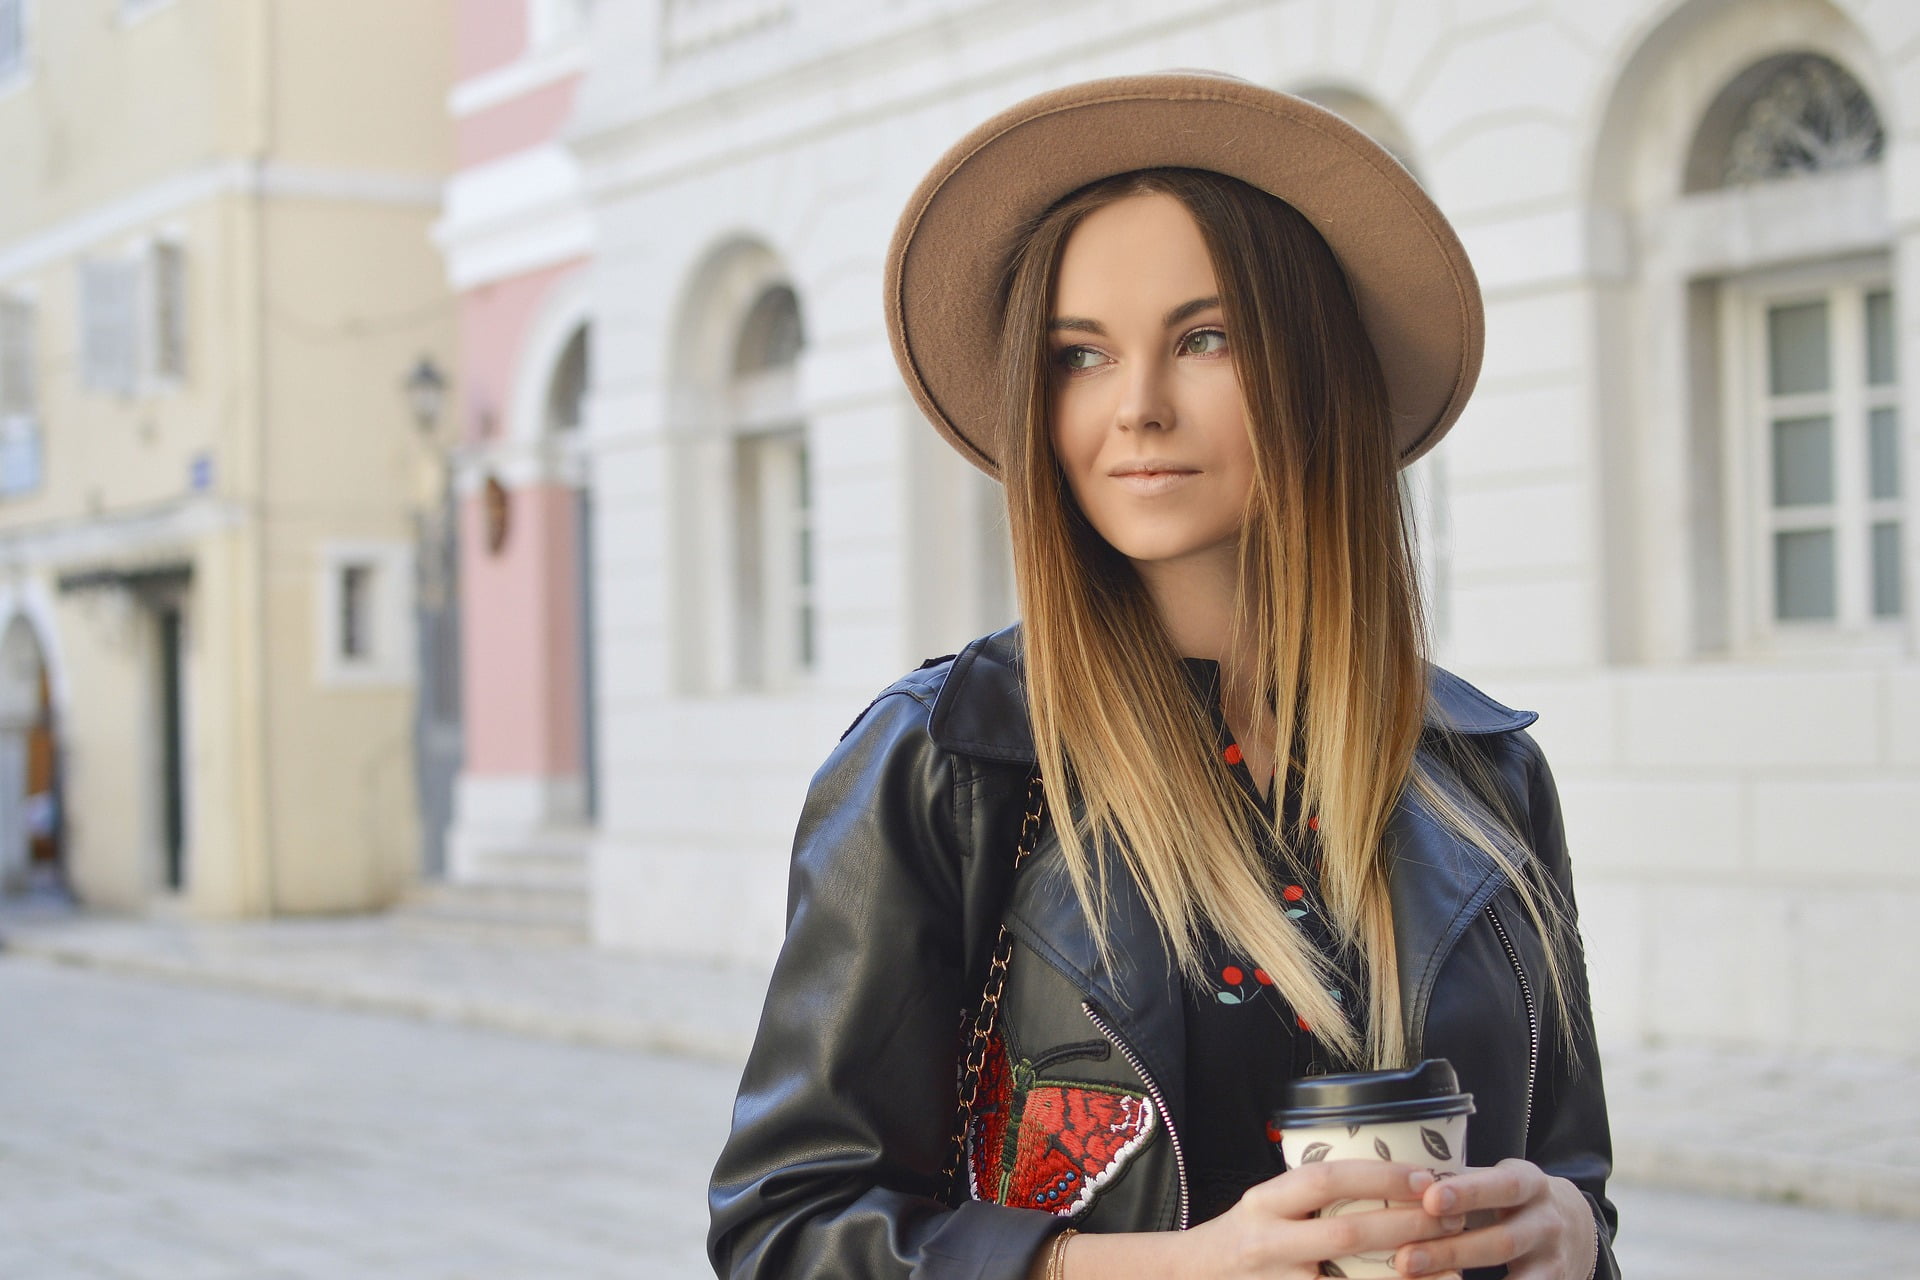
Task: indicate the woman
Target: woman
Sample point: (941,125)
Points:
(1194,326)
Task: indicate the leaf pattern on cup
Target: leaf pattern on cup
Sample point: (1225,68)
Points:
(1435,1143)
(1330,1269)
(1381,1149)
(1353,1131)
(1315,1152)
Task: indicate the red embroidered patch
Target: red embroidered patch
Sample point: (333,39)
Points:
(1050,1144)
(1072,1140)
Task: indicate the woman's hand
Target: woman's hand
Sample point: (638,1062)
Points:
(1539,1226)
(1272,1233)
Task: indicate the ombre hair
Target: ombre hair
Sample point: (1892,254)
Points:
(1327,603)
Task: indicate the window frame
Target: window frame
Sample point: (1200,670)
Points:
(389,624)
(1749,412)
(20,72)
(20,426)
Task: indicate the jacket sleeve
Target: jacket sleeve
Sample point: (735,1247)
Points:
(842,1127)
(1569,1136)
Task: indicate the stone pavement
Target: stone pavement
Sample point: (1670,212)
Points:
(1825,1132)
(156,1130)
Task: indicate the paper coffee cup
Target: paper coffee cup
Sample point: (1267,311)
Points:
(1417,1116)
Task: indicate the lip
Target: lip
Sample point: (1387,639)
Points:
(1146,483)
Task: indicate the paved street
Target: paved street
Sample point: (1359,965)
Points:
(163,1132)
(176,1133)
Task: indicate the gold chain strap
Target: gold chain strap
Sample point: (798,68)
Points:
(982,1022)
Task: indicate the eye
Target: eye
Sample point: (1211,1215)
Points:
(1204,342)
(1078,359)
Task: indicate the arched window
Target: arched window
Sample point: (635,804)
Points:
(1752,447)
(773,508)
(567,391)
(739,483)
(1799,113)
(1806,366)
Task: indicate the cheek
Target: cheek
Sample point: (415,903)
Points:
(1075,437)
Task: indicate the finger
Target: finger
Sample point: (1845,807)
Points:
(1372,1231)
(1491,1246)
(1504,1186)
(1302,1192)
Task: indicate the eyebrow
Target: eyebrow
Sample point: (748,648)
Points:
(1081,324)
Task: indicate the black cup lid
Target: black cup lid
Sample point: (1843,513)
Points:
(1429,1089)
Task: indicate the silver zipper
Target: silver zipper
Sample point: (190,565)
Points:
(1533,1021)
(1153,1092)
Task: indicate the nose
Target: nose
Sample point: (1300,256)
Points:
(1144,404)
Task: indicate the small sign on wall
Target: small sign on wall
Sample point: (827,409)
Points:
(496,506)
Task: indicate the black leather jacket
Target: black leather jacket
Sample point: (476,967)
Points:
(901,874)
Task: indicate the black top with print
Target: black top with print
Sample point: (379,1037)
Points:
(1244,1042)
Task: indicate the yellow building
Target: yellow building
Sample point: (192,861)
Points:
(214,278)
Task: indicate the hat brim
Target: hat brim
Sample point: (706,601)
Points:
(1416,291)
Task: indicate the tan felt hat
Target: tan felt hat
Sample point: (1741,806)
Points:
(1416,290)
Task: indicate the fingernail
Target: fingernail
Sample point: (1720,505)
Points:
(1419,1180)
(1454,1223)
(1446,1199)
(1417,1261)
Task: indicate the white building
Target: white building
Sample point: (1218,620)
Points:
(1679,517)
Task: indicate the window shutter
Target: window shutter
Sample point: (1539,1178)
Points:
(109,295)
(167,277)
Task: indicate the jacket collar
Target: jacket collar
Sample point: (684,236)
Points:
(981,710)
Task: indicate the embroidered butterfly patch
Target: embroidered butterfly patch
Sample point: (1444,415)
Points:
(1049,1144)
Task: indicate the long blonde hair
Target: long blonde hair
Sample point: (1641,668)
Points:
(1327,603)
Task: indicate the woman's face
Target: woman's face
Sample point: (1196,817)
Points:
(1147,418)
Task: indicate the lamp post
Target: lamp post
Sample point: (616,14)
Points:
(426,390)
(437,736)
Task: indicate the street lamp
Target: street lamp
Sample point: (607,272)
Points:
(426,389)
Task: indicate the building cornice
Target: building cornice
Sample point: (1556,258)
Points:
(522,76)
(120,540)
(133,211)
(516,214)
(697,112)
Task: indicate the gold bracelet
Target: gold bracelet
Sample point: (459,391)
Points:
(1057,1260)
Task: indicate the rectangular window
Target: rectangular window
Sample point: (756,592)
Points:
(19,396)
(13,39)
(109,296)
(1829,469)
(356,612)
(364,617)
(167,310)
(19,399)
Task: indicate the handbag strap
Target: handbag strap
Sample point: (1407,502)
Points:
(979,1025)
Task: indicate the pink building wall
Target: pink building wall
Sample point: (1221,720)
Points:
(487,34)
(520,608)
(520,629)
(527,121)
(520,614)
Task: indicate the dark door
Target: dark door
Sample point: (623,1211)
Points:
(172,756)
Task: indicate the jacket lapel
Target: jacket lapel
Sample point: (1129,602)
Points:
(1437,883)
(1135,986)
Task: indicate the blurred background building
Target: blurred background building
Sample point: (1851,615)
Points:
(682,521)
(214,278)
